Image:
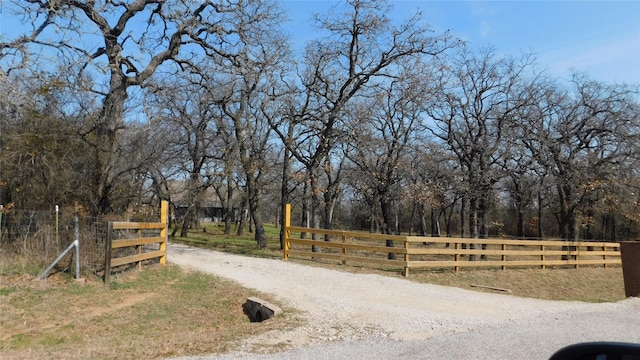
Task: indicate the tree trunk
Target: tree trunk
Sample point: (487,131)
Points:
(473,225)
(614,238)
(195,219)
(435,223)
(540,232)
(243,218)
(106,130)
(184,232)
(569,233)
(482,219)
(423,221)
(254,208)
(329,204)
(519,207)
(520,231)
(590,220)
(463,209)
(413,218)
(315,206)
(385,207)
(228,219)
(372,208)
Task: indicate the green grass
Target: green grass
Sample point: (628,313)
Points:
(19,267)
(7,291)
(211,236)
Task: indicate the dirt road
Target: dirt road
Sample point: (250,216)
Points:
(356,316)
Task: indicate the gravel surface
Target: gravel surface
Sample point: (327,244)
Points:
(365,316)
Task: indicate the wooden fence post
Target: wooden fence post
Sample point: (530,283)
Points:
(107,256)
(344,249)
(139,250)
(504,257)
(456,257)
(406,258)
(287,232)
(164,215)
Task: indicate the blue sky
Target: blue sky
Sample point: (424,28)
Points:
(601,38)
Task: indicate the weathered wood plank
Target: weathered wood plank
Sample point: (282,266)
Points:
(347,246)
(318,255)
(444,263)
(532,252)
(453,240)
(353,234)
(136,241)
(123,225)
(135,258)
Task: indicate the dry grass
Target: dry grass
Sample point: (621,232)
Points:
(584,284)
(165,311)
(156,313)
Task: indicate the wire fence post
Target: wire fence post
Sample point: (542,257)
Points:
(57,229)
(76,236)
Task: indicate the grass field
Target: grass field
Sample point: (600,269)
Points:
(166,311)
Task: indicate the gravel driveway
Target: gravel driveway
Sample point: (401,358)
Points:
(364,316)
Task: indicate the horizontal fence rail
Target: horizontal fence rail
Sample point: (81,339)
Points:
(137,235)
(416,252)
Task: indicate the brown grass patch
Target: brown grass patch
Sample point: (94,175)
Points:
(165,312)
(583,284)
(589,284)
(156,313)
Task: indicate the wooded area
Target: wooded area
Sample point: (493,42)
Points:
(377,125)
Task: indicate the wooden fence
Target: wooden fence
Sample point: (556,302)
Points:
(135,237)
(415,252)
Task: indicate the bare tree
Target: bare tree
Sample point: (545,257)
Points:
(359,48)
(521,182)
(435,183)
(188,113)
(584,137)
(479,94)
(246,79)
(225,181)
(381,138)
(120,45)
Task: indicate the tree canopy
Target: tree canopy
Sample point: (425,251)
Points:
(377,124)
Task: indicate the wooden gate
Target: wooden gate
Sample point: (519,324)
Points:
(137,237)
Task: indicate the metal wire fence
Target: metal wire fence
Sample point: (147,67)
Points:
(40,236)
